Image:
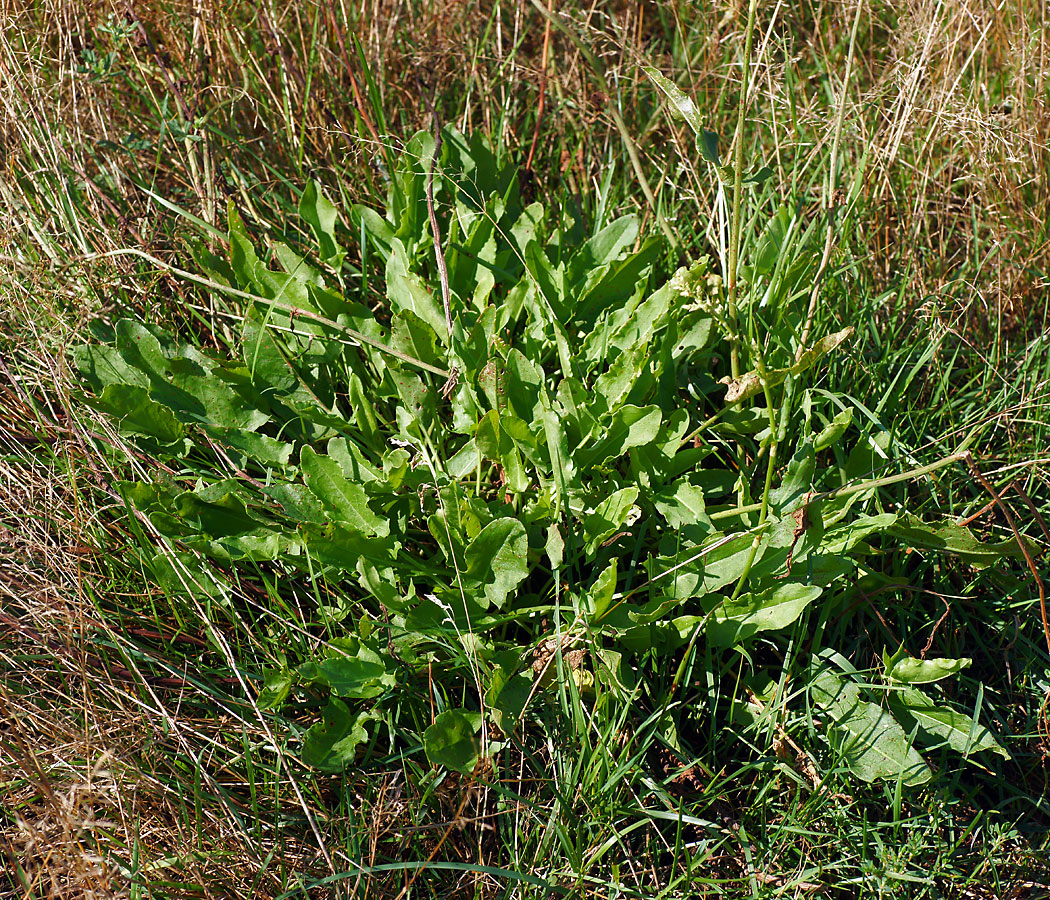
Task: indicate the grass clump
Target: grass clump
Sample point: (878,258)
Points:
(526,604)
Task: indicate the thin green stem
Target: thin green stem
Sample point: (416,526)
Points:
(829,239)
(735,217)
(847,490)
(770,466)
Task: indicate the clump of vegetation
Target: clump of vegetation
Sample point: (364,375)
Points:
(540,539)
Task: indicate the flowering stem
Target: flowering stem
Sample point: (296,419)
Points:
(738,177)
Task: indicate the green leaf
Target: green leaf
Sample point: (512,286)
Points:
(798,479)
(451,741)
(684,107)
(406,290)
(256,446)
(955,729)
(298,503)
(101,366)
(682,504)
(464,461)
(277,684)
(608,243)
(707,144)
(616,382)
(357,671)
(631,426)
(600,596)
(507,698)
(322,217)
(243,260)
(346,501)
(267,366)
(736,621)
(377,228)
(496,444)
(871,741)
(332,743)
(344,549)
(834,430)
(910,670)
(138,413)
(808,358)
(415,338)
(497,558)
(608,518)
(555,545)
(948,537)
(772,241)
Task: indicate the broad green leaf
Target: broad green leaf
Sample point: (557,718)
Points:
(608,243)
(266,362)
(321,215)
(345,548)
(563,469)
(948,537)
(835,429)
(218,512)
(522,386)
(808,358)
(845,538)
(406,290)
(798,479)
(757,176)
(297,502)
(724,561)
(416,338)
(464,461)
(608,517)
(256,446)
(736,621)
(451,741)
(871,741)
(600,595)
(631,426)
(769,246)
(141,349)
(496,444)
(940,725)
(555,545)
(751,420)
(910,670)
(684,107)
(375,226)
(277,684)
(707,144)
(497,558)
(102,365)
(615,383)
(682,504)
(138,413)
(345,500)
(243,260)
(332,743)
(356,671)
(508,696)
(353,461)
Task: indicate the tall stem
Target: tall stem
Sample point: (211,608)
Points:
(738,178)
(829,239)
